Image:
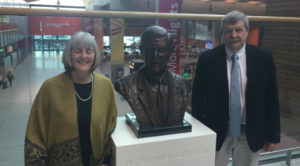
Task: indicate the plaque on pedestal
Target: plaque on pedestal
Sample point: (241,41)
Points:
(156,131)
(190,148)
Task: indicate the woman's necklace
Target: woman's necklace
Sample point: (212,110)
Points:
(91,94)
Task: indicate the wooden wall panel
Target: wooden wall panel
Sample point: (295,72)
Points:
(283,39)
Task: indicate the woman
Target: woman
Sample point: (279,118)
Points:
(74,113)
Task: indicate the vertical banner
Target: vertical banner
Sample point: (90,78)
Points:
(253,33)
(173,27)
(87,25)
(117,48)
(98,32)
(116,41)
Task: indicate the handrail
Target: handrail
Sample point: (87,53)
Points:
(55,6)
(280,156)
(131,14)
(9,30)
(280,151)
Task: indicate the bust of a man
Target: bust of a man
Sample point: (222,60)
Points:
(157,96)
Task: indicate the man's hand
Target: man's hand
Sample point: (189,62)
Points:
(269,147)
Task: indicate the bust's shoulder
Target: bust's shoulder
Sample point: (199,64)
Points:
(127,78)
(125,83)
(177,76)
(178,79)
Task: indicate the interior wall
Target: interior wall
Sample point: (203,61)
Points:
(191,6)
(284,41)
(196,6)
(133,5)
(48,25)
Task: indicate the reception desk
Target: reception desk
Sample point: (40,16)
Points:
(192,148)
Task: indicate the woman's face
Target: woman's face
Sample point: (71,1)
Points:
(83,59)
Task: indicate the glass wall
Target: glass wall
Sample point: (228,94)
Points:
(50,42)
(131,47)
(33,58)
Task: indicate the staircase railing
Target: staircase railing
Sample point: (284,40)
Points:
(285,157)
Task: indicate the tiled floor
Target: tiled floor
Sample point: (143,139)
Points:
(290,127)
(15,104)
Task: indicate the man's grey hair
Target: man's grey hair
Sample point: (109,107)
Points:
(80,40)
(233,17)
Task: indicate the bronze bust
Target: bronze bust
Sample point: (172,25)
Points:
(157,96)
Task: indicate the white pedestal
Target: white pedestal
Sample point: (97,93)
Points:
(193,148)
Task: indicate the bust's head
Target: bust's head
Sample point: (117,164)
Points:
(156,46)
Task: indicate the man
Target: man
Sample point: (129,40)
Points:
(157,96)
(0,79)
(10,77)
(235,94)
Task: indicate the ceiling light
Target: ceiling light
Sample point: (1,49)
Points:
(254,1)
(231,1)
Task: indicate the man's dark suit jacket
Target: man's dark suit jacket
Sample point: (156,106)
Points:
(134,89)
(210,96)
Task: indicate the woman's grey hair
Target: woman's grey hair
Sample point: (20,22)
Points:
(80,40)
(233,17)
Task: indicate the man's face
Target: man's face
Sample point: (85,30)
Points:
(157,53)
(234,35)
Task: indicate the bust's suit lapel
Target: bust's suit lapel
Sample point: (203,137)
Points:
(178,96)
(172,96)
(143,96)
